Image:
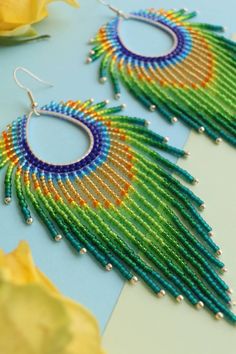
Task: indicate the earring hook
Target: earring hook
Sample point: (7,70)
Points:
(114,9)
(34,104)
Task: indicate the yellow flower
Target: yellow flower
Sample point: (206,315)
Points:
(17,16)
(34,317)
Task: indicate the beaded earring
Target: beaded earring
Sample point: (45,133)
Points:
(119,202)
(194,82)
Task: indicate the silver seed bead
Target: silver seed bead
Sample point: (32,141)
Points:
(58,238)
(161,293)
(106,101)
(174,120)
(7,200)
(91,40)
(91,100)
(202,207)
(109,267)
(210,233)
(123,106)
(117,96)
(201,130)
(195,181)
(91,52)
(230,291)
(88,60)
(152,108)
(224,270)
(166,139)
(83,251)
(199,305)
(29,221)
(134,280)
(219,315)
(219,253)
(187,154)
(103,79)
(147,123)
(218,141)
(180,298)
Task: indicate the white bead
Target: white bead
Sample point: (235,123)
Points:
(58,238)
(117,96)
(103,79)
(199,305)
(147,123)
(219,315)
(7,200)
(230,291)
(219,253)
(161,293)
(152,108)
(180,298)
(225,28)
(174,120)
(224,270)
(187,154)
(185,9)
(91,100)
(166,139)
(123,106)
(202,207)
(210,233)
(88,60)
(91,40)
(134,280)
(106,101)
(91,52)
(83,251)
(201,130)
(195,181)
(29,221)
(109,267)
(218,141)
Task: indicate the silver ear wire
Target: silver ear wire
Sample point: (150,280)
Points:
(34,104)
(114,9)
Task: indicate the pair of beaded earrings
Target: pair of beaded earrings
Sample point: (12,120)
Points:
(119,201)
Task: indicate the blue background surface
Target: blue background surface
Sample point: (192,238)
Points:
(61,60)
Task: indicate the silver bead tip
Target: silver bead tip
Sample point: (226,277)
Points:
(58,238)
(219,315)
(134,280)
(7,200)
(29,221)
(109,267)
(161,293)
(180,298)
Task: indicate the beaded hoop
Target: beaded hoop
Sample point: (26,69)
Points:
(120,203)
(194,82)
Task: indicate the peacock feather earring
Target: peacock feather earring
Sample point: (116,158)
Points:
(194,82)
(119,202)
